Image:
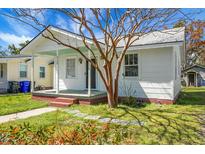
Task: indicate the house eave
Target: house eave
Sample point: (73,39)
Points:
(155,45)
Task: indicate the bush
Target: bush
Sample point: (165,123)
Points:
(26,134)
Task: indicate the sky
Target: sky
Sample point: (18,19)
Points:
(15,32)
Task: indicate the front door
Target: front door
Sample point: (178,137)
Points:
(192,79)
(92,75)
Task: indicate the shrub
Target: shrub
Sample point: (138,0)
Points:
(25,134)
(83,134)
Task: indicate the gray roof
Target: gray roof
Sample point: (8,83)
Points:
(195,68)
(157,37)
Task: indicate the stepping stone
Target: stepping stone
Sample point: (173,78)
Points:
(120,122)
(136,123)
(73,111)
(77,113)
(90,117)
(80,115)
(105,120)
(124,123)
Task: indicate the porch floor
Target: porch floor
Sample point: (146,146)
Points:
(70,93)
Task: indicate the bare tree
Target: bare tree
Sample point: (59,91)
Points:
(119,29)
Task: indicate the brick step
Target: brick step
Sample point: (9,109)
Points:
(40,98)
(60,104)
(67,100)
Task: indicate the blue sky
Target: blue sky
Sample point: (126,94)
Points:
(12,31)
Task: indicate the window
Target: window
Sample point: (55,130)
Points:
(131,65)
(23,70)
(1,71)
(42,72)
(70,68)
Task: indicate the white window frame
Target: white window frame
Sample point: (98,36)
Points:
(71,77)
(131,77)
(20,70)
(41,72)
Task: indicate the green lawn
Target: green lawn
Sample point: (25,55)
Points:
(192,96)
(180,123)
(17,103)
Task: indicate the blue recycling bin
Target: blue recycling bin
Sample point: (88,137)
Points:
(25,86)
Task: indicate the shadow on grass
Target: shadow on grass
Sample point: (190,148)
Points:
(176,128)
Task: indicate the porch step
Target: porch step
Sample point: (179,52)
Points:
(60,104)
(67,100)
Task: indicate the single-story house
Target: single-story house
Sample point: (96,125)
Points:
(194,75)
(18,68)
(151,70)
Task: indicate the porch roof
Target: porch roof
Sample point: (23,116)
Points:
(15,57)
(195,68)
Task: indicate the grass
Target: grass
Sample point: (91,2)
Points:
(18,103)
(192,96)
(180,123)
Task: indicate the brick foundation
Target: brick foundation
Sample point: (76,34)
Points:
(92,101)
(44,98)
(82,101)
(87,101)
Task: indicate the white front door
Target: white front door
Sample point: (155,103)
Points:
(3,77)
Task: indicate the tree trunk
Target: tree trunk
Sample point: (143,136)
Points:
(111,100)
(116,90)
(110,90)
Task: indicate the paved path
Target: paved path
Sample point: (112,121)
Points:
(26,114)
(77,113)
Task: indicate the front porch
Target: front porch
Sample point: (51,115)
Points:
(70,93)
(70,96)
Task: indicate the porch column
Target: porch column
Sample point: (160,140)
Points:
(32,74)
(57,71)
(196,80)
(89,76)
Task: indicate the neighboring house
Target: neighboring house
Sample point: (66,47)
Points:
(194,76)
(150,71)
(18,68)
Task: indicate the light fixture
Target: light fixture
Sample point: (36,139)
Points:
(80,60)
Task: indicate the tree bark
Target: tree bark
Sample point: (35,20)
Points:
(111,100)
(112,88)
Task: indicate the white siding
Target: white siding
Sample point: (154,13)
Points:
(155,78)
(177,65)
(78,82)
(155,75)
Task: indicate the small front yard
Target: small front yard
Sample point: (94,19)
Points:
(18,103)
(181,123)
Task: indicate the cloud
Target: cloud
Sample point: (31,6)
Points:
(20,28)
(61,22)
(13,39)
(74,26)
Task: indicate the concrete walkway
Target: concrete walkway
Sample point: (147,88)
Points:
(26,114)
